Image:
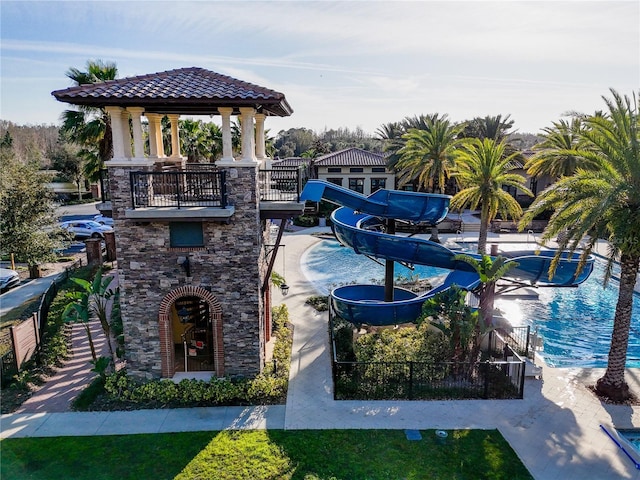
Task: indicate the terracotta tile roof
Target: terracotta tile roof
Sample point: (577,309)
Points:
(351,157)
(291,162)
(185,90)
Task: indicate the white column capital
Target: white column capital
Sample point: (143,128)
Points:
(135,110)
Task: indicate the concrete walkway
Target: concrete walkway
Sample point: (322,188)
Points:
(554,430)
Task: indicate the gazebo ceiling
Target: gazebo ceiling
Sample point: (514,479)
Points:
(193,90)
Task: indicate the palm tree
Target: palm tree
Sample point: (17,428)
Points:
(555,154)
(90,127)
(490,271)
(193,140)
(482,169)
(493,127)
(213,134)
(603,201)
(428,154)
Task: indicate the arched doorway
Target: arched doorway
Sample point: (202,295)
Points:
(190,324)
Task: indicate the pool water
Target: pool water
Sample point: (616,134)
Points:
(575,323)
(632,436)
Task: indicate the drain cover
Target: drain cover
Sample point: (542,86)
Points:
(413,435)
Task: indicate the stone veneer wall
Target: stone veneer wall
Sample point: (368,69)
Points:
(231,266)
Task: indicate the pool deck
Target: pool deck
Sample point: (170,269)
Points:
(555,429)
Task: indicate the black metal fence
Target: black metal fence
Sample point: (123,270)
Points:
(206,188)
(500,376)
(282,183)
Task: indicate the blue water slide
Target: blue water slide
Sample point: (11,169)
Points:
(351,229)
(359,224)
(408,206)
(365,303)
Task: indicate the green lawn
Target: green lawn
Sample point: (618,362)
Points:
(272,454)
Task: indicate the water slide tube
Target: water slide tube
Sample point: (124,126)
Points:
(355,226)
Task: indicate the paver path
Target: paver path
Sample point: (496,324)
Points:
(59,391)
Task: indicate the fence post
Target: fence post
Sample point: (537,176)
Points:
(411,380)
(486,379)
(523,368)
(14,348)
(526,343)
(178,188)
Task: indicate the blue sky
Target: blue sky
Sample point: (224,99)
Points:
(340,64)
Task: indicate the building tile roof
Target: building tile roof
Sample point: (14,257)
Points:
(291,162)
(351,157)
(185,90)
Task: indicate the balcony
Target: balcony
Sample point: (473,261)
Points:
(279,189)
(194,193)
(200,191)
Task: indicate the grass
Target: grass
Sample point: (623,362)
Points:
(272,454)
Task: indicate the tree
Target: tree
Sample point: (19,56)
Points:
(90,127)
(213,135)
(490,271)
(494,127)
(428,154)
(448,312)
(69,164)
(555,154)
(481,171)
(603,201)
(27,211)
(92,300)
(193,140)
(390,134)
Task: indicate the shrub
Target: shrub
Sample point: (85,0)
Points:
(319,302)
(421,344)
(305,221)
(268,387)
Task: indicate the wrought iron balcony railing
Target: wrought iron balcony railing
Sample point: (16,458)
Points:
(179,189)
(281,184)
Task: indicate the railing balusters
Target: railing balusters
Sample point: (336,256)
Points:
(200,188)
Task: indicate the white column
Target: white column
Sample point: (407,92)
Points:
(116,131)
(160,138)
(126,133)
(248,139)
(227,146)
(136,124)
(175,136)
(153,126)
(260,145)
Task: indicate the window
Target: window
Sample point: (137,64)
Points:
(378,183)
(356,169)
(334,170)
(335,181)
(356,184)
(186,234)
(378,170)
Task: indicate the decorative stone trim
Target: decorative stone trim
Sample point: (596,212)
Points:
(167,354)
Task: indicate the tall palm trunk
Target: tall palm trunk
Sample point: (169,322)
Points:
(484,227)
(613,384)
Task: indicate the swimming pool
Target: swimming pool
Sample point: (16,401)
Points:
(575,323)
